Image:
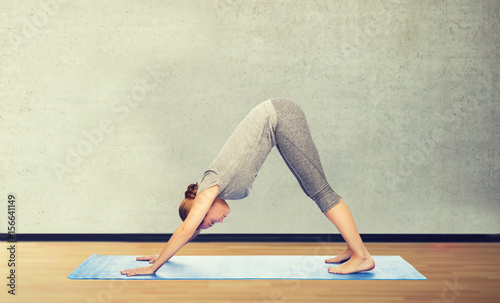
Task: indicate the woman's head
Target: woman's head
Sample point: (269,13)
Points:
(187,203)
(216,214)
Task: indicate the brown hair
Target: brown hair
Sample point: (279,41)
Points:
(187,203)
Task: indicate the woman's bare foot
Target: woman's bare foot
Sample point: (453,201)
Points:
(346,255)
(354,265)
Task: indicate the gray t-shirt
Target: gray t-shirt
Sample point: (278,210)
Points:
(241,158)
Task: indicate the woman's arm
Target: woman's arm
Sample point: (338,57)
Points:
(183,234)
(152,258)
(197,232)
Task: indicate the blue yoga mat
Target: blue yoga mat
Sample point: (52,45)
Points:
(242,268)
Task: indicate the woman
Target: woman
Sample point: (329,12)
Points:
(275,122)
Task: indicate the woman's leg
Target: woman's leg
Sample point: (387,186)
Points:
(356,252)
(295,144)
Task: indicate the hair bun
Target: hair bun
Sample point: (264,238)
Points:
(191,191)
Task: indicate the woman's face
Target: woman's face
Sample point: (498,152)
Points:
(216,214)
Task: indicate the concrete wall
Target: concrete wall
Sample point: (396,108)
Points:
(109,109)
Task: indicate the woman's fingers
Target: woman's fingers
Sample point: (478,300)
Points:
(148,270)
(145,258)
(126,272)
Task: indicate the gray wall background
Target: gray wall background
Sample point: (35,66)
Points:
(109,109)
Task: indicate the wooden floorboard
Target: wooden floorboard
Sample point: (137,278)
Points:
(456,272)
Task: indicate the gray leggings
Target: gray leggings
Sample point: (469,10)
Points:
(297,148)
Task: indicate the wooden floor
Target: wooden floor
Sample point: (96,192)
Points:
(456,272)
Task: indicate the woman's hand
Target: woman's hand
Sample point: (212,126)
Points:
(148,270)
(151,259)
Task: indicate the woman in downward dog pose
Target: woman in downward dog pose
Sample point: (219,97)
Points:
(275,122)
